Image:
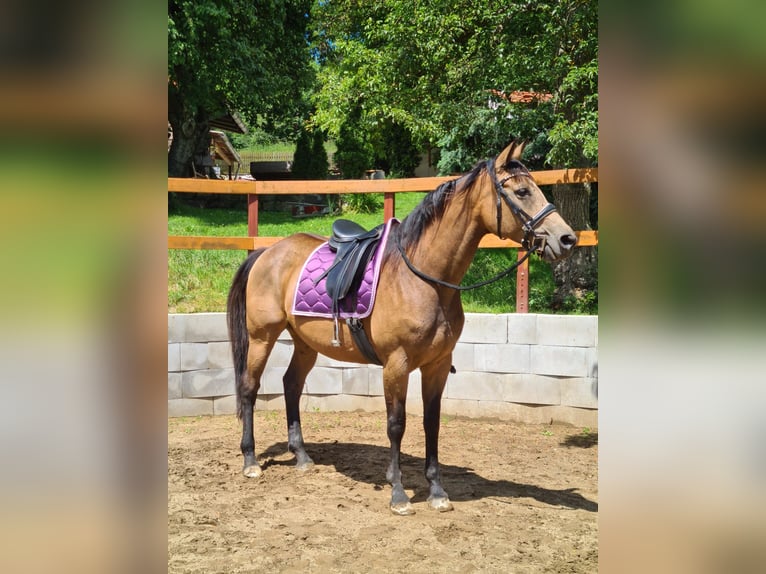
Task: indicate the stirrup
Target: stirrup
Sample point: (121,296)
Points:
(335,342)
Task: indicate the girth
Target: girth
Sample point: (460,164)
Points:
(354,246)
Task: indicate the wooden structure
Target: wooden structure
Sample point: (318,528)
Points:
(223,151)
(389,187)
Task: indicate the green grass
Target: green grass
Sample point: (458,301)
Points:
(199,281)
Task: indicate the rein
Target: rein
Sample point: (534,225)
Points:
(528,224)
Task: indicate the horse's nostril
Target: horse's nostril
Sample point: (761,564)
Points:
(568,240)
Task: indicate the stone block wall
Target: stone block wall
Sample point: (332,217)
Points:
(523,367)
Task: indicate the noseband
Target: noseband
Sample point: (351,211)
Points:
(529,243)
(531,240)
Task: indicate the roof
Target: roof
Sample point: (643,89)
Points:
(522,97)
(222,148)
(230,122)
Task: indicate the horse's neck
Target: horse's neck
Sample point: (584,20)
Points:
(448,246)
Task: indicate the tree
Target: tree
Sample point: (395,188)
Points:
(232,55)
(302,157)
(433,68)
(320,165)
(353,154)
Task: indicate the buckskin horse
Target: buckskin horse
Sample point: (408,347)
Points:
(417,316)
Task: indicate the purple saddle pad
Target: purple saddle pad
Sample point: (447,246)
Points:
(311,299)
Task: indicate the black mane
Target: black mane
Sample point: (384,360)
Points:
(433,205)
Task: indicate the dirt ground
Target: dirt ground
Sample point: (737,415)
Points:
(525,498)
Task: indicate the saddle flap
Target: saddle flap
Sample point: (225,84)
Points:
(345,231)
(346,273)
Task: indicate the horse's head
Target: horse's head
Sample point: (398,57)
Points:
(521,211)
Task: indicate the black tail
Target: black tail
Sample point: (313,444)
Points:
(236,318)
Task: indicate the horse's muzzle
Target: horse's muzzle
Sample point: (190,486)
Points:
(553,250)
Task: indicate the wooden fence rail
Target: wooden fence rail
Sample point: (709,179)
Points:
(388,187)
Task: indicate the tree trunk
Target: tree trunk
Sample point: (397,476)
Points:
(577,275)
(190,138)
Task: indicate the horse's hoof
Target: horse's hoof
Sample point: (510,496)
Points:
(304,466)
(253,471)
(441,504)
(402,509)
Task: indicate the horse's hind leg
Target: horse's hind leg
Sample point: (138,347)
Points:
(257,355)
(295,378)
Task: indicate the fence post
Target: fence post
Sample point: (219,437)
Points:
(252,215)
(389,205)
(522,284)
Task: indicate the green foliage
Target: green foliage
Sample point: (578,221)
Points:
(320,165)
(354,152)
(361,202)
(245,56)
(395,151)
(427,67)
(255,138)
(302,157)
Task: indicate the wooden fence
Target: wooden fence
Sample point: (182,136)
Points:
(388,187)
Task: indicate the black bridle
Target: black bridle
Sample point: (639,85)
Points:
(529,243)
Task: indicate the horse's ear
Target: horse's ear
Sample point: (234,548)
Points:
(513,151)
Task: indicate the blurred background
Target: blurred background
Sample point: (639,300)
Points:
(682,461)
(82,295)
(83,303)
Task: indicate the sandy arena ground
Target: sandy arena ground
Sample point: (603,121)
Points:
(525,498)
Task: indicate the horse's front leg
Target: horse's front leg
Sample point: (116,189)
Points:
(434,378)
(395,390)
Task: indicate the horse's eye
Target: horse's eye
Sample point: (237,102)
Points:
(523,192)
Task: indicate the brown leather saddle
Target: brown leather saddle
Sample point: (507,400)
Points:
(354,246)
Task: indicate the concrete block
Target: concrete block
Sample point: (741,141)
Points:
(281,354)
(561,361)
(189,407)
(344,403)
(271,381)
(193,356)
(463,357)
(485,328)
(522,328)
(225,405)
(174,357)
(567,330)
(575,416)
(324,361)
(531,389)
(414,407)
(474,385)
(208,383)
(506,358)
(415,385)
(284,336)
(176,327)
(460,408)
(591,363)
(579,392)
(174,386)
(204,327)
(356,381)
(376,382)
(219,355)
(324,381)
(272,403)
